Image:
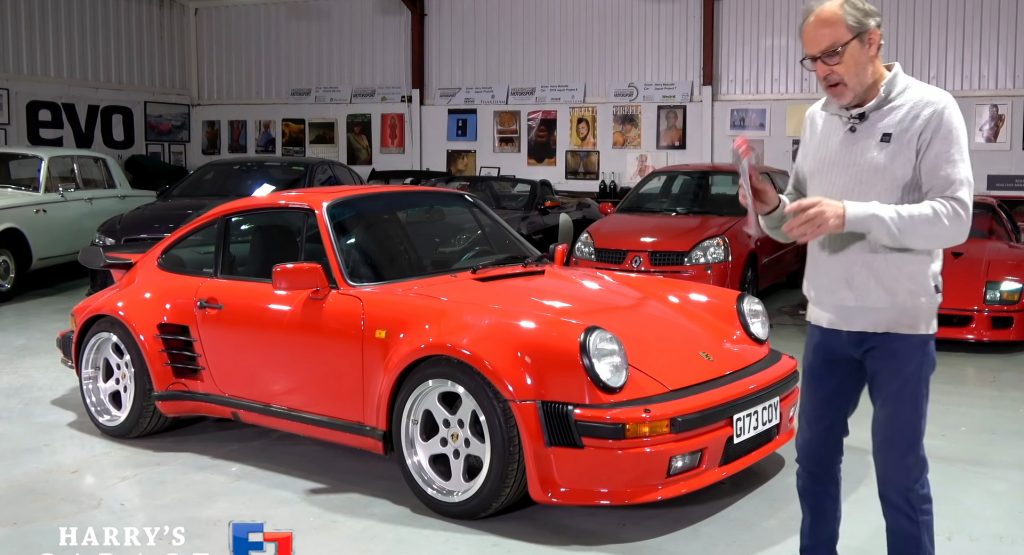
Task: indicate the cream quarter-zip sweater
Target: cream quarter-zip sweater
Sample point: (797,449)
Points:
(905,179)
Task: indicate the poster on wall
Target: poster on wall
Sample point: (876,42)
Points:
(5,107)
(323,139)
(462,124)
(751,121)
(992,126)
(211,137)
(795,114)
(176,155)
(507,131)
(238,142)
(639,164)
(582,164)
(392,133)
(542,138)
(167,122)
(583,125)
(3,137)
(672,127)
(155,151)
(359,146)
(461,162)
(266,141)
(293,137)
(626,126)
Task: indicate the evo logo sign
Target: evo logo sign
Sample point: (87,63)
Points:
(46,121)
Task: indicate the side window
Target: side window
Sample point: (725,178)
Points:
(1015,230)
(346,176)
(323,176)
(261,240)
(194,255)
(60,174)
(94,173)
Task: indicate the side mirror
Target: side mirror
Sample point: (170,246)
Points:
(301,276)
(606,208)
(559,254)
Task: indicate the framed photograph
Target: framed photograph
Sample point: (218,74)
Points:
(582,164)
(392,133)
(542,138)
(752,121)
(211,137)
(461,162)
(293,137)
(176,155)
(266,140)
(672,127)
(462,124)
(639,164)
(359,140)
(992,125)
(583,130)
(490,170)
(626,120)
(155,150)
(238,140)
(3,137)
(507,131)
(5,106)
(167,122)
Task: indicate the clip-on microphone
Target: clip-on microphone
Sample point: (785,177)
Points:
(855,120)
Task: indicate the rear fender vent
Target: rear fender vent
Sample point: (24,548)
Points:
(179,348)
(559,425)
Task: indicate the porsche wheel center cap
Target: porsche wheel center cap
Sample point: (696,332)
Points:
(455,436)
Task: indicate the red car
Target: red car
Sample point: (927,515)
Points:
(414,321)
(983,277)
(1016,206)
(686,222)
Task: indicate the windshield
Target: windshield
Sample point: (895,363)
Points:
(502,194)
(241,180)
(985,224)
(20,171)
(401,235)
(686,192)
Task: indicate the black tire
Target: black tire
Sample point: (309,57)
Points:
(749,280)
(504,481)
(142,417)
(12,267)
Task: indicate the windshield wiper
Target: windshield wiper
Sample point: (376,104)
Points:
(525,259)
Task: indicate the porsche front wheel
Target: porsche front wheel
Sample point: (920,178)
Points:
(114,382)
(457,442)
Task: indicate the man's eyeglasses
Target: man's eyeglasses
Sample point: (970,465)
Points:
(828,57)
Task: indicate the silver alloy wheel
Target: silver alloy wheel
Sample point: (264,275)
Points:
(108,379)
(7,270)
(445,440)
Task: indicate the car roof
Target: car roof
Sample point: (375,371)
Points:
(715,167)
(51,151)
(272,159)
(318,196)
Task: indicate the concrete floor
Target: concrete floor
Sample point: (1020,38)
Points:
(58,471)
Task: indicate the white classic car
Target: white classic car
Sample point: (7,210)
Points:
(51,201)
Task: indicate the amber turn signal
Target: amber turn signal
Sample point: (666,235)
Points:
(648,429)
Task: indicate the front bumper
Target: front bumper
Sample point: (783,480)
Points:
(66,346)
(600,471)
(981,326)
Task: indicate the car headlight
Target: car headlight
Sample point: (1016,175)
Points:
(102,240)
(1003,292)
(754,317)
(710,251)
(584,249)
(604,357)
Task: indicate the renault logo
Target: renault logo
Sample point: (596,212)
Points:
(636,262)
(706,356)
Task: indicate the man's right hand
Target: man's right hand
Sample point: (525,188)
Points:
(766,198)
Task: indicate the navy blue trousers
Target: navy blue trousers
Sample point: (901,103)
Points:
(896,368)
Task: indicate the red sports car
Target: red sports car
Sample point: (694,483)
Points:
(1016,206)
(414,321)
(686,222)
(983,277)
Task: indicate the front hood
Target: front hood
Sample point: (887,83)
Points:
(660,232)
(664,324)
(160,217)
(966,268)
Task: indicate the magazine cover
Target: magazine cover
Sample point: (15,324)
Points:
(506,131)
(238,142)
(266,141)
(392,133)
(542,138)
(583,120)
(359,144)
(626,126)
(293,137)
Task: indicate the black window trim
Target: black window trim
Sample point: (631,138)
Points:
(216,251)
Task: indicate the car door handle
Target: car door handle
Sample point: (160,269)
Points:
(39,211)
(203,304)
(88,199)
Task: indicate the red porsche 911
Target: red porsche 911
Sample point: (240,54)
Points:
(686,222)
(415,321)
(983,277)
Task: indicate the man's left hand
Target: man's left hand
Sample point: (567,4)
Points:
(811,218)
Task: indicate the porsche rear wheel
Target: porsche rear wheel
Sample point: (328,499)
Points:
(457,442)
(114,382)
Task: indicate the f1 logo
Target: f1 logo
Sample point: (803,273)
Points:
(248,538)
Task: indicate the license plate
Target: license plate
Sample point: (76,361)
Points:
(753,421)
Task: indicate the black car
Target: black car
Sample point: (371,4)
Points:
(403,177)
(530,206)
(212,184)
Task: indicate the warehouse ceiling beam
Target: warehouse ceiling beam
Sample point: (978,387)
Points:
(419,15)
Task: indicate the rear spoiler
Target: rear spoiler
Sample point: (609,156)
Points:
(114,257)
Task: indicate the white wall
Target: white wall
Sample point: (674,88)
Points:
(257,51)
(117,44)
(522,42)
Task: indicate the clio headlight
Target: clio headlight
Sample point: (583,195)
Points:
(710,251)
(1003,292)
(754,317)
(584,249)
(102,240)
(604,357)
